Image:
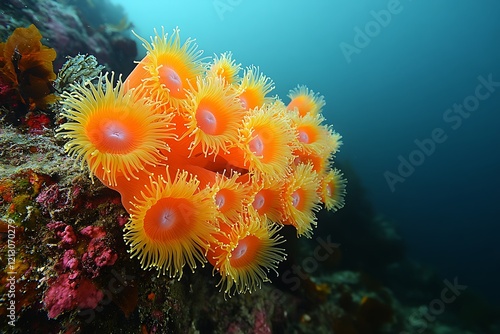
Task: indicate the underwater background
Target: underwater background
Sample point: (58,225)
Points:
(383,92)
(412,87)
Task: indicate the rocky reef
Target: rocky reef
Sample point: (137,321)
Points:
(70,271)
(75,27)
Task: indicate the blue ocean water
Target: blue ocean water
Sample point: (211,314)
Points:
(412,86)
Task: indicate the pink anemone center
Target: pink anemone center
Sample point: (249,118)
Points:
(207,121)
(172,81)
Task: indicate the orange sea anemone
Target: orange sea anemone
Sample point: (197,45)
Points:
(266,199)
(214,116)
(225,67)
(317,142)
(267,141)
(131,188)
(319,161)
(333,190)
(301,199)
(312,135)
(305,101)
(335,141)
(245,253)
(231,196)
(117,132)
(208,165)
(254,88)
(171,224)
(168,68)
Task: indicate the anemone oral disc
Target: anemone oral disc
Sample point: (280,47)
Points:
(259,201)
(257,146)
(171,80)
(207,121)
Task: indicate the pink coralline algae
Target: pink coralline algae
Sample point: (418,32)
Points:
(63,231)
(122,220)
(261,326)
(66,294)
(97,256)
(67,236)
(93,232)
(56,225)
(8,94)
(52,198)
(73,288)
(98,253)
(48,195)
(70,261)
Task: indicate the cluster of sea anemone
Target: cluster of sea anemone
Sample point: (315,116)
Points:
(208,164)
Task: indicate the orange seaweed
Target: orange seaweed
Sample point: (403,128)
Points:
(26,66)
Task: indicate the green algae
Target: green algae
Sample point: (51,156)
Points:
(42,154)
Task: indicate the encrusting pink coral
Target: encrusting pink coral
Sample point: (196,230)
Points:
(69,259)
(93,232)
(51,197)
(68,235)
(98,253)
(63,231)
(86,253)
(66,294)
(71,263)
